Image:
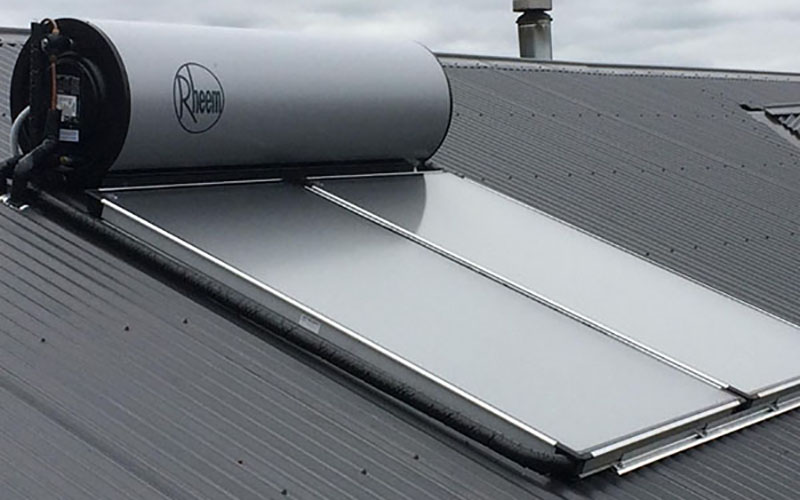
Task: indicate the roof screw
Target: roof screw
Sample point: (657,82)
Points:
(43,340)
(284,492)
(364,472)
(127,328)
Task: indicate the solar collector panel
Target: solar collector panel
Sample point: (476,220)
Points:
(546,371)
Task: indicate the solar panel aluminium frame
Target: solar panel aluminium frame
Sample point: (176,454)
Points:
(398,369)
(346,266)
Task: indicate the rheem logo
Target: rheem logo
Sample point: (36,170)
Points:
(198,97)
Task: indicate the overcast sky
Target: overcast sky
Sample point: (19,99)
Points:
(708,33)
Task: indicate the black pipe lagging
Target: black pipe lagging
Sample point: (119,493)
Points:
(26,169)
(6,171)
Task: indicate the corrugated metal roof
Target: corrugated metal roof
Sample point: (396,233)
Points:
(115,384)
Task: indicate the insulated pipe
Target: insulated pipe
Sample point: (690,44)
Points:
(16,127)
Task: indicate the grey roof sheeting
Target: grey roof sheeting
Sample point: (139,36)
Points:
(114,384)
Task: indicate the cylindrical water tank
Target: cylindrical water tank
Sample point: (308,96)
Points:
(138,96)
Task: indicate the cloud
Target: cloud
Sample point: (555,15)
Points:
(708,33)
(712,33)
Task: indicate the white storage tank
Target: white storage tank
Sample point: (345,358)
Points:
(138,97)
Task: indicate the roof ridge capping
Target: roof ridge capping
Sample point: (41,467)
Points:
(517,63)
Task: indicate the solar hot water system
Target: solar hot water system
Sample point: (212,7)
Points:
(290,177)
(128,98)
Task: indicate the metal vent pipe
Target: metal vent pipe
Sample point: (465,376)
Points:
(535,37)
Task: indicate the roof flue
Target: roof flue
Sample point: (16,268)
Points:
(535,40)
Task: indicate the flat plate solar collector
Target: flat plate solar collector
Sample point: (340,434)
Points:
(508,362)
